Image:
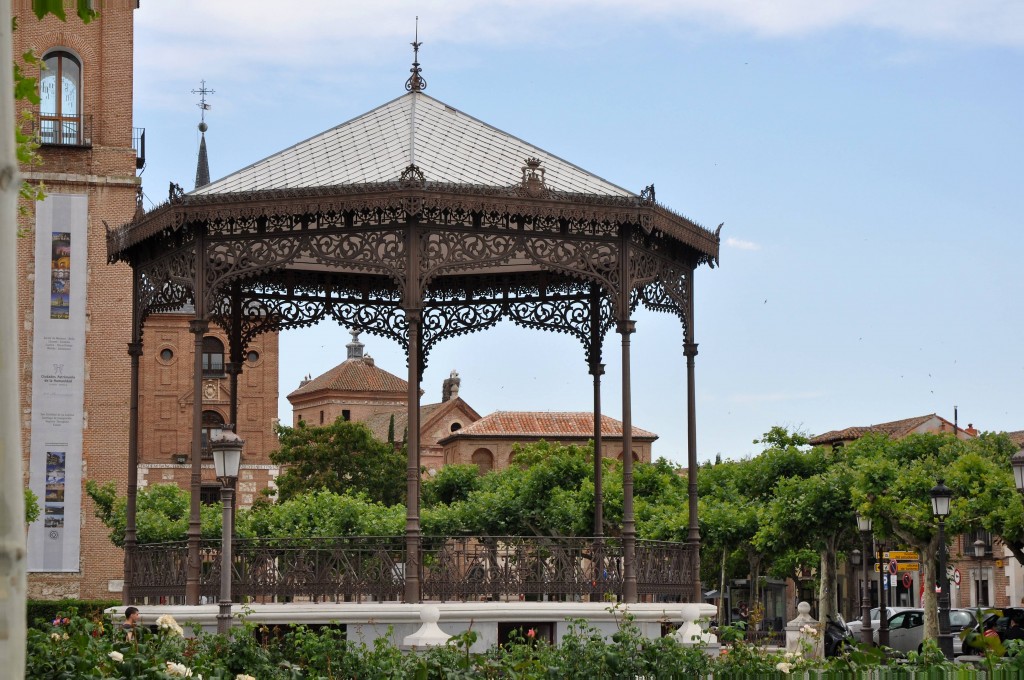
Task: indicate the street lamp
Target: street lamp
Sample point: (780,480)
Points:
(979,552)
(941,496)
(1017,462)
(864,526)
(227,455)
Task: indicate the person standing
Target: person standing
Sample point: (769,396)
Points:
(131,622)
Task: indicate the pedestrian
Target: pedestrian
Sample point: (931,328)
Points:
(1014,632)
(131,622)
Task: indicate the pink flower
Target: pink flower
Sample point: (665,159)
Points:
(531,633)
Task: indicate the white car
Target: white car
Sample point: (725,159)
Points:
(855,625)
(906,629)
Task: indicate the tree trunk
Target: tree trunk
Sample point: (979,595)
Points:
(930,602)
(828,602)
(12,503)
(721,589)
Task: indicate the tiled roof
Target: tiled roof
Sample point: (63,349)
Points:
(355,375)
(447,145)
(894,429)
(1016,437)
(379,423)
(551,424)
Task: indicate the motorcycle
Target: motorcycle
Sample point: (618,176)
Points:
(838,638)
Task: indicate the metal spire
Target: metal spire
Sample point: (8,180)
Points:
(416,82)
(203,166)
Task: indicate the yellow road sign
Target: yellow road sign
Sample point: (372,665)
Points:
(903,566)
(902,555)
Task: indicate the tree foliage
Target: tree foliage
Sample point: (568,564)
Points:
(340,457)
(161,513)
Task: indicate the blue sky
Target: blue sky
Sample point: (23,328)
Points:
(866,161)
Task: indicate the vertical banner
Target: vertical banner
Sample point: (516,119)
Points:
(58,374)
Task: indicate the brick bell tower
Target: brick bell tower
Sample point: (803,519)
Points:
(74,310)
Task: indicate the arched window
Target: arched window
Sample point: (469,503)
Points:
(60,99)
(213,423)
(636,456)
(213,357)
(484,460)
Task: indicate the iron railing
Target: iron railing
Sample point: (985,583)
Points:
(63,130)
(372,568)
(139,144)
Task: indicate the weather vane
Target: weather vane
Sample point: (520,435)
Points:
(416,82)
(203,106)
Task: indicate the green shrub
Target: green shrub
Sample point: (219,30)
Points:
(45,611)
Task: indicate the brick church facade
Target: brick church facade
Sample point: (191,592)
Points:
(75,315)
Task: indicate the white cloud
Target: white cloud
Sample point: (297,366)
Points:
(740,244)
(185,35)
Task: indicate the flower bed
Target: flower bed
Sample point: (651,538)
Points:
(76,647)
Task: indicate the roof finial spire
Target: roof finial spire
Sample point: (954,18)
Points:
(203,166)
(203,106)
(416,82)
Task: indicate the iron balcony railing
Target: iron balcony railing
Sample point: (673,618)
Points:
(139,144)
(372,568)
(63,130)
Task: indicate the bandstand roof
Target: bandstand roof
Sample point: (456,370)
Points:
(448,145)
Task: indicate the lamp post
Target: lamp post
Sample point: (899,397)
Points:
(979,552)
(883,611)
(864,526)
(227,455)
(941,496)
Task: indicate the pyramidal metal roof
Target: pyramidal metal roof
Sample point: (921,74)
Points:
(447,145)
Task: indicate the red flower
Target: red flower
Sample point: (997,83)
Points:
(531,633)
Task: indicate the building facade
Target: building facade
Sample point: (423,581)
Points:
(74,310)
(75,315)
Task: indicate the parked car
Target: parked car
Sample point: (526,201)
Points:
(906,629)
(973,638)
(855,626)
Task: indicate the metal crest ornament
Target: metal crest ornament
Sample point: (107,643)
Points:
(533,178)
(416,82)
(412,178)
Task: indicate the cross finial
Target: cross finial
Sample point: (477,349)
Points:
(416,82)
(203,106)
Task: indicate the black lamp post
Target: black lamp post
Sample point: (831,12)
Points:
(864,526)
(979,552)
(941,496)
(227,455)
(883,612)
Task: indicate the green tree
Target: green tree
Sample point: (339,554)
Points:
(892,484)
(31,506)
(161,513)
(322,513)
(343,456)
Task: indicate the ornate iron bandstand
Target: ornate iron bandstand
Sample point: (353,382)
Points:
(417,223)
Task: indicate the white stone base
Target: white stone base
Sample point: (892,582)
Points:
(369,622)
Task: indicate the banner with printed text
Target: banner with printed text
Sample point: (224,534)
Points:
(58,374)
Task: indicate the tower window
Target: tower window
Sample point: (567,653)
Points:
(213,357)
(60,100)
(346,415)
(213,423)
(321,417)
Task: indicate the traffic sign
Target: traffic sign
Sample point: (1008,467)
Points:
(894,566)
(907,581)
(956,576)
(902,555)
(904,566)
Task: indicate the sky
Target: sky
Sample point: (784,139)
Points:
(866,158)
